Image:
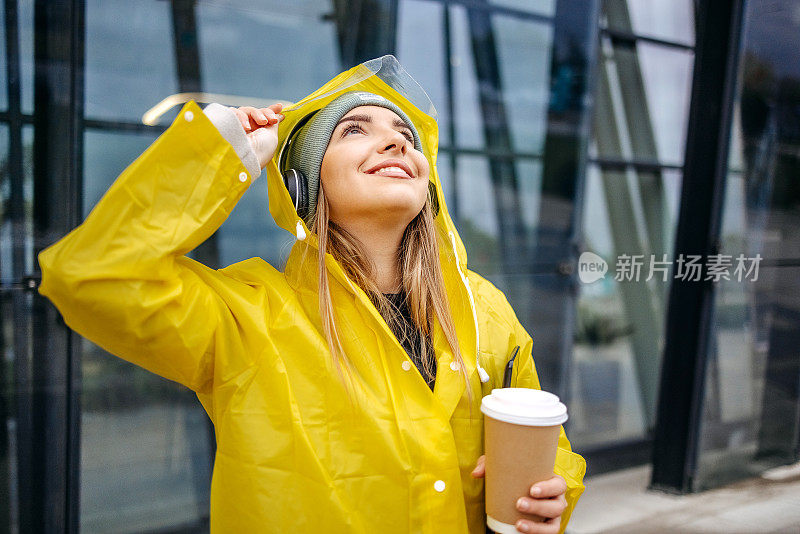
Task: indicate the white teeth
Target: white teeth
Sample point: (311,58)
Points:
(385,170)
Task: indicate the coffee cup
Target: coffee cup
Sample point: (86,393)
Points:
(521,429)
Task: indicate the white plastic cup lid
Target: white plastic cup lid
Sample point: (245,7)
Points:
(523,406)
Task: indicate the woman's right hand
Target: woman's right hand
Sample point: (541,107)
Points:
(261,127)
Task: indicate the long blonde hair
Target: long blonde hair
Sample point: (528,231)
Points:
(420,273)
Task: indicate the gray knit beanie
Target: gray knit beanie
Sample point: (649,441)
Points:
(307,146)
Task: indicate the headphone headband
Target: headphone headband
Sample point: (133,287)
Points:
(289,138)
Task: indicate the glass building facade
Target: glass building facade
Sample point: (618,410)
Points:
(566,127)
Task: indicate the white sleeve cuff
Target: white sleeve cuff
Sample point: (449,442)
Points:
(231,129)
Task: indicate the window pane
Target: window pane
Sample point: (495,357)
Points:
(671,20)
(667,76)
(539,302)
(6,236)
(120,84)
(3,62)
(106,154)
(529,180)
(606,397)
(540,7)
(468,121)
(26,54)
(252,49)
(250,231)
(619,326)
(477,222)
(16,237)
(524,49)
(8,452)
(146,449)
(145,441)
(750,411)
(649,89)
(420,48)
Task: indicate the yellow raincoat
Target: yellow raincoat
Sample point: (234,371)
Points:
(293,454)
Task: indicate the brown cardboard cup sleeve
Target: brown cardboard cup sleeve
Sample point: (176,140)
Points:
(521,439)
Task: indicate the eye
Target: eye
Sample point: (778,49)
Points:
(353,127)
(408,136)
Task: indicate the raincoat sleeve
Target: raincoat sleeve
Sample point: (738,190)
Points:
(569,465)
(121,278)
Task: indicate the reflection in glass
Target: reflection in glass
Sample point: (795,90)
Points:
(523,49)
(25,15)
(130,58)
(750,412)
(16,244)
(145,449)
(146,445)
(477,224)
(649,90)
(618,335)
(605,392)
(667,76)
(8,450)
(468,123)
(250,231)
(671,20)
(540,7)
(105,155)
(6,236)
(529,172)
(3,62)
(251,49)
(420,49)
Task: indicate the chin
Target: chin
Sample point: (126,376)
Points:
(400,203)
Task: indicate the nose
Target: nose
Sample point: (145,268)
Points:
(395,142)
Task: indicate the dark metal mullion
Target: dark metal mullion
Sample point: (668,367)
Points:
(123,126)
(14,213)
(189,73)
(690,308)
(482,5)
(58,108)
(74,368)
(491,153)
(623,164)
(365,29)
(631,38)
(6,116)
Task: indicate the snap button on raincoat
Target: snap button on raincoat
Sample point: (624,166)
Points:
(294,454)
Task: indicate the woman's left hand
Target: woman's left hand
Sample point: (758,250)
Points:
(545,499)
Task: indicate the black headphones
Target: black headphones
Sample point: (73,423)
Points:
(294,180)
(297,184)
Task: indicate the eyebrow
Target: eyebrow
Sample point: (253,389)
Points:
(397,123)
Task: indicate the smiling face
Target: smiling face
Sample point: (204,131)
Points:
(371,170)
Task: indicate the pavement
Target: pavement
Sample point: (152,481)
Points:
(619,502)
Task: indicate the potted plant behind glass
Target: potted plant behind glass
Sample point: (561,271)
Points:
(598,354)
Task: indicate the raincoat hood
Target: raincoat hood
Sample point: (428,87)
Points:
(385,77)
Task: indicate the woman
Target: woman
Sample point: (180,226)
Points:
(345,391)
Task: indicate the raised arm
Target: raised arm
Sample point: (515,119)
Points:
(121,278)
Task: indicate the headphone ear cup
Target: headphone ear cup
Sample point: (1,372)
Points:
(297,185)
